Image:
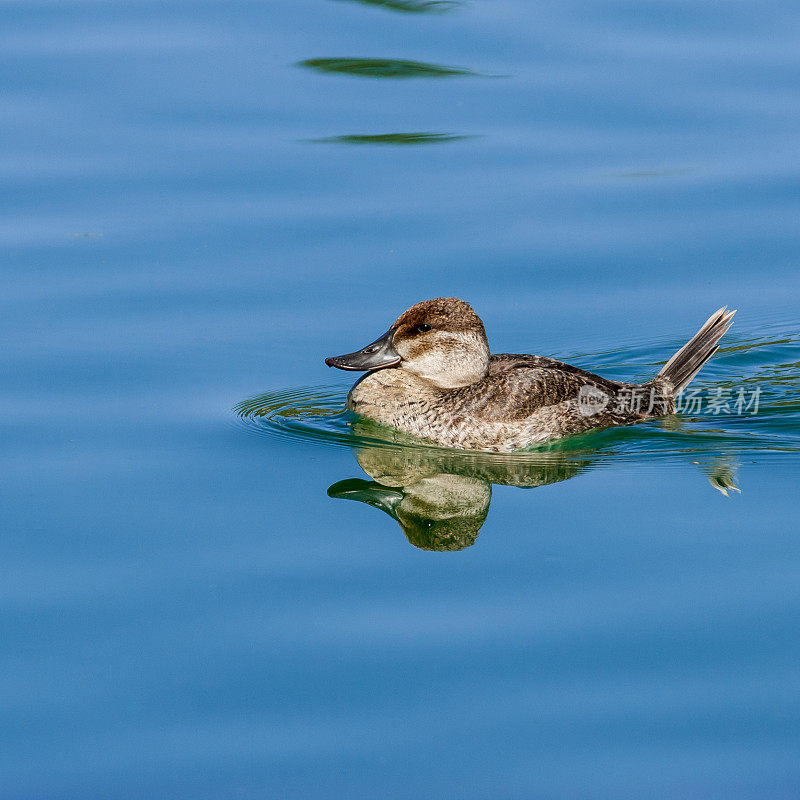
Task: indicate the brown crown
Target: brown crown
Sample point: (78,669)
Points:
(441,312)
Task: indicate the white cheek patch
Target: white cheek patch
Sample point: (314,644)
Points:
(449,360)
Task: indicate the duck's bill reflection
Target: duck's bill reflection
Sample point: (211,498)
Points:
(376,355)
(369,492)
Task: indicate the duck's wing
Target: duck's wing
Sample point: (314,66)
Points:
(506,362)
(524,390)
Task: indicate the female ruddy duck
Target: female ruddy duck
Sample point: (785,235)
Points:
(431,375)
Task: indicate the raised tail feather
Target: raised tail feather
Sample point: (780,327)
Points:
(686,363)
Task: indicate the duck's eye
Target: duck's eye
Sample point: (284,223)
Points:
(424,328)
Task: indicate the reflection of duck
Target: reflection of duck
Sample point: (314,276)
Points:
(440,499)
(431,375)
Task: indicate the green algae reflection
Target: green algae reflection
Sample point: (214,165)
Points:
(412,6)
(383,68)
(393,138)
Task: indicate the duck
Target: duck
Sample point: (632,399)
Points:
(432,375)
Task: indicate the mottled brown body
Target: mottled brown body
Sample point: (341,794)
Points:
(523,401)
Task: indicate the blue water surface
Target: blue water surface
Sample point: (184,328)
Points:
(202,200)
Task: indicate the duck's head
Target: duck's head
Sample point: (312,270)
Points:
(441,341)
(440,512)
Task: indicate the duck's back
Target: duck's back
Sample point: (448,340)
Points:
(506,362)
(527,399)
(532,391)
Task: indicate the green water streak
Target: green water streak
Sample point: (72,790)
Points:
(383,68)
